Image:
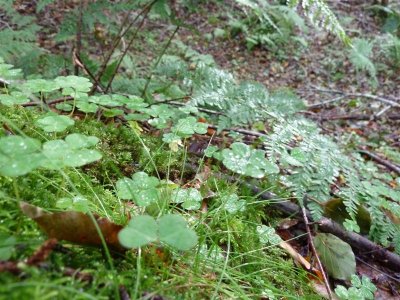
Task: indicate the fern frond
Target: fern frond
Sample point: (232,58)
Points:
(321,16)
(361,55)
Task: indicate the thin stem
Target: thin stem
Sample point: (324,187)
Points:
(326,282)
(159,59)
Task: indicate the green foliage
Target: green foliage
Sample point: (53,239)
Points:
(265,24)
(321,16)
(336,256)
(361,57)
(360,289)
(169,229)
(243,160)
(142,188)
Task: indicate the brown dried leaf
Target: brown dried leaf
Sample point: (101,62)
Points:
(75,227)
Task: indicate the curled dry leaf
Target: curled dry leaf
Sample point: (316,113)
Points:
(75,227)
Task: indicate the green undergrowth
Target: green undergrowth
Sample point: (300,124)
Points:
(229,261)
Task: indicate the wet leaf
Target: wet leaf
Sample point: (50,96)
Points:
(244,160)
(141,230)
(142,188)
(336,255)
(55,123)
(174,232)
(72,226)
(191,198)
(19,155)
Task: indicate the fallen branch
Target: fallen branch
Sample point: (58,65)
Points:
(359,117)
(357,242)
(384,162)
(360,95)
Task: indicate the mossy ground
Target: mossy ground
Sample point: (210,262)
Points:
(230,262)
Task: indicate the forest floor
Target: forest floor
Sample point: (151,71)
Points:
(319,72)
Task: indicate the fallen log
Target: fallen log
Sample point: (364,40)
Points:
(362,245)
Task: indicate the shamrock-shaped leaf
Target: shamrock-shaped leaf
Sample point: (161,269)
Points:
(169,229)
(70,153)
(173,140)
(232,204)
(142,188)
(161,111)
(7,71)
(336,255)
(64,107)
(78,84)
(40,85)
(189,126)
(267,235)
(210,150)
(7,244)
(105,100)
(174,232)
(55,123)
(110,113)
(86,107)
(14,98)
(77,203)
(243,160)
(191,198)
(19,155)
(141,230)
(78,141)
(159,123)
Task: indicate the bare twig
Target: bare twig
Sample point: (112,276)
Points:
(77,50)
(325,102)
(310,237)
(391,166)
(159,59)
(145,13)
(360,117)
(359,95)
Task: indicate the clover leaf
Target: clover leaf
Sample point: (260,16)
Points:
(141,230)
(189,126)
(169,229)
(79,141)
(86,107)
(78,84)
(19,155)
(174,232)
(72,152)
(14,98)
(77,203)
(105,100)
(142,188)
(55,123)
(267,235)
(244,160)
(232,204)
(40,85)
(7,244)
(8,72)
(191,198)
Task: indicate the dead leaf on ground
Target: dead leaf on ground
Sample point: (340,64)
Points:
(75,227)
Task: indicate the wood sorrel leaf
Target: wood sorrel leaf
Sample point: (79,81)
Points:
(19,155)
(55,123)
(191,198)
(244,160)
(174,232)
(141,230)
(142,188)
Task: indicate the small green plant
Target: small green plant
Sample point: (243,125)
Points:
(169,229)
(360,289)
